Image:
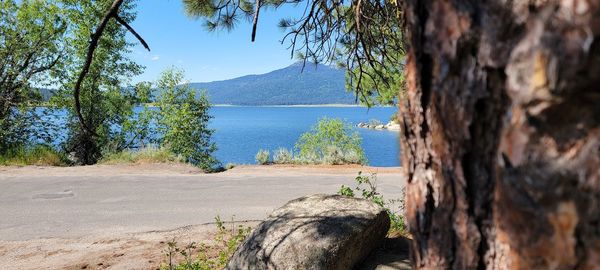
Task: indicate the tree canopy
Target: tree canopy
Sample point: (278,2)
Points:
(30,47)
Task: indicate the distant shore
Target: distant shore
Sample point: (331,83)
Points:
(45,105)
(299,105)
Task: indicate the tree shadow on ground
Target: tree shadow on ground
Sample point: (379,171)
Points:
(394,253)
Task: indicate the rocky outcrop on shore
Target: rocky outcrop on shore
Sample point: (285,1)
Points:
(380,126)
(314,232)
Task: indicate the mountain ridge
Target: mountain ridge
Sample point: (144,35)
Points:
(316,84)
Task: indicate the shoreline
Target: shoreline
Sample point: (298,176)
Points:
(334,105)
(186,169)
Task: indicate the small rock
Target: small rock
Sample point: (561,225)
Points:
(314,232)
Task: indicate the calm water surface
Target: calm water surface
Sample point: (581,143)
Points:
(241,131)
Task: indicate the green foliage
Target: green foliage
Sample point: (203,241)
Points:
(283,156)
(330,141)
(107,105)
(380,81)
(262,157)
(346,191)
(367,187)
(40,155)
(143,155)
(208,257)
(31,45)
(182,121)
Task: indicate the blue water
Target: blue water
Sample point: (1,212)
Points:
(241,131)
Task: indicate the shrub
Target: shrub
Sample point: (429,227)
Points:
(230,166)
(40,155)
(333,155)
(353,157)
(330,141)
(262,157)
(144,155)
(283,156)
(309,158)
(367,186)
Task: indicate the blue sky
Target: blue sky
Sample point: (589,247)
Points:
(180,41)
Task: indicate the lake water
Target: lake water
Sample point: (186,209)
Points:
(241,131)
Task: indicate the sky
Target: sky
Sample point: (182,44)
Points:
(183,42)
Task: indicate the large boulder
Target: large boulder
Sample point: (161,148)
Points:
(314,232)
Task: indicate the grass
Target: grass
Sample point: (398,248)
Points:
(39,155)
(142,156)
(205,256)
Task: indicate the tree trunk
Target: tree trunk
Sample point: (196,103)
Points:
(501,135)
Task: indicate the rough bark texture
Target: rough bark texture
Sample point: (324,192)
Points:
(501,134)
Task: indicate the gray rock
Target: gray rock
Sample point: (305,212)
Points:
(314,232)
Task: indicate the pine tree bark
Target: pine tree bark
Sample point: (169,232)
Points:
(501,134)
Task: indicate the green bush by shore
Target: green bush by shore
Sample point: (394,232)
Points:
(330,141)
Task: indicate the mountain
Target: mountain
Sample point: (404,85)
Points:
(316,84)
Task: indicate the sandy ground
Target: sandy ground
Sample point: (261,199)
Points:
(120,217)
(123,251)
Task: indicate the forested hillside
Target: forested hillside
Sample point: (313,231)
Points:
(319,84)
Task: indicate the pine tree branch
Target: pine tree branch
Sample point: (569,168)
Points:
(255,20)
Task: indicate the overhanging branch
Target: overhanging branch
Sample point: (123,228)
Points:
(111,13)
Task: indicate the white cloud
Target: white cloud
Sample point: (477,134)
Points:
(155,58)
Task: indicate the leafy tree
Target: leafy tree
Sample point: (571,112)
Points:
(31,46)
(107,104)
(182,120)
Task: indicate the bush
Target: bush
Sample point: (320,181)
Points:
(262,157)
(229,166)
(283,156)
(330,141)
(40,155)
(144,155)
(397,225)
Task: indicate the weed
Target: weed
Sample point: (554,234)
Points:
(367,186)
(208,257)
